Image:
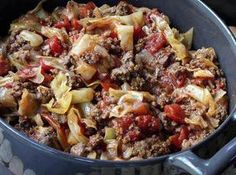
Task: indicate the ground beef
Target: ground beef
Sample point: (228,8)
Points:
(43,135)
(123,8)
(144,87)
(148,147)
(44,94)
(78,149)
(124,72)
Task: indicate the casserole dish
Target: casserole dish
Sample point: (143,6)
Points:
(217,36)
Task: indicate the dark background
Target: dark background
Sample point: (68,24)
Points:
(226,9)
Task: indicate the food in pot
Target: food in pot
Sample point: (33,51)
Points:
(110,82)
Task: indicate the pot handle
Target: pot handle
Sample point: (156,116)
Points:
(195,165)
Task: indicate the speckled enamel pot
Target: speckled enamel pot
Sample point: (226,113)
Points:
(21,155)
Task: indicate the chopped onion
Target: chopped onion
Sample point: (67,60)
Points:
(110,133)
(73,118)
(85,70)
(34,38)
(203,73)
(125,35)
(28,104)
(82,95)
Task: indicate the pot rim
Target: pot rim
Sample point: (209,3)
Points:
(134,163)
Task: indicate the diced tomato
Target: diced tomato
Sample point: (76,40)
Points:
(90,6)
(175,113)
(170,81)
(75,24)
(45,67)
(47,77)
(178,138)
(125,123)
(8,85)
(27,73)
(61,134)
(63,24)
(219,84)
(200,81)
(140,108)
(83,12)
(55,46)
(155,42)
(107,84)
(148,123)
(133,135)
(144,121)
(181,79)
(138,33)
(4,66)
(113,34)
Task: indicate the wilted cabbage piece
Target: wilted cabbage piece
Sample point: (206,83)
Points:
(85,70)
(125,35)
(51,32)
(39,78)
(85,43)
(34,38)
(25,23)
(126,101)
(28,104)
(110,133)
(73,119)
(188,38)
(179,48)
(6,98)
(203,74)
(204,96)
(82,95)
(61,105)
(59,85)
(197,120)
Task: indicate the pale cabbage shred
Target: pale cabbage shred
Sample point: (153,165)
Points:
(64,97)
(126,99)
(179,48)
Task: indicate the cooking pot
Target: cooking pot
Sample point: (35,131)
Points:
(24,156)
